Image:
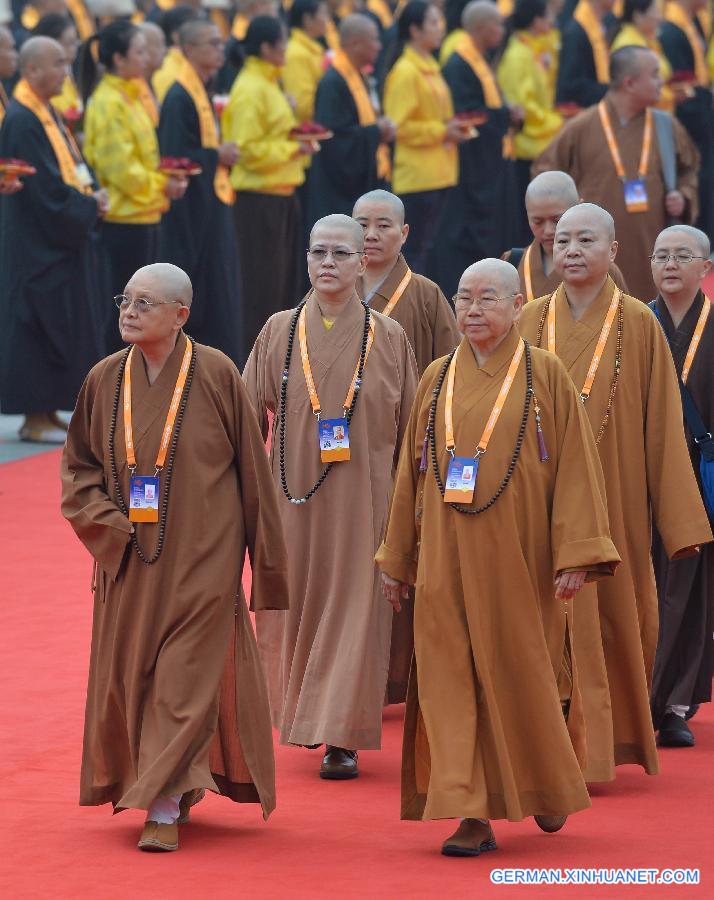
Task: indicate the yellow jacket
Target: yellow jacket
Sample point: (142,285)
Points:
(121,146)
(258,119)
(165,75)
(302,72)
(69,98)
(524,81)
(629,36)
(418,100)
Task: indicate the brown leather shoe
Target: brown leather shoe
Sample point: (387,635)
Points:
(158,838)
(339,764)
(550,824)
(189,799)
(472,838)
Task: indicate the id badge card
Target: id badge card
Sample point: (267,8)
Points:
(334,440)
(144,498)
(461,479)
(636,199)
(83,174)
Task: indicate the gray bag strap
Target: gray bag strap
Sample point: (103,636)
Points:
(664,129)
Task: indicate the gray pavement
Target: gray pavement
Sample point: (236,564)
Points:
(12,448)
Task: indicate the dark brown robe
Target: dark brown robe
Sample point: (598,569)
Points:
(648,476)
(430,325)
(176,697)
(484,731)
(684,662)
(581,150)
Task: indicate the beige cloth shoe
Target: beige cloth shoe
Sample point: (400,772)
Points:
(189,799)
(472,838)
(158,837)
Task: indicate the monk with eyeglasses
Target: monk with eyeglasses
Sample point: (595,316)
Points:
(339,380)
(166,483)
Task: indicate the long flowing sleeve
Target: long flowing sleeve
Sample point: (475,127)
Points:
(688,160)
(255,378)
(96,519)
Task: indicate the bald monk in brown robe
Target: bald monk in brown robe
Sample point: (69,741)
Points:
(669,182)
(684,662)
(429,322)
(547,198)
(485,737)
(176,703)
(635,415)
(327,658)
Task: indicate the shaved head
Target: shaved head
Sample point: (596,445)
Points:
(356,27)
(383,197)
(588,215)
(193,31)
(479,13)
(35,51)
(700,239)
(628,62)
(171,282)
(151,30)
(501,274)
(340,223)
(553,186)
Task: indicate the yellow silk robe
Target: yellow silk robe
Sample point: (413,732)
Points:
(485,734)
(648,474)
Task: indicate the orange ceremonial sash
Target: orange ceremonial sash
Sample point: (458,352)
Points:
(82,19)
(677,16)
(485,74)
(591,25)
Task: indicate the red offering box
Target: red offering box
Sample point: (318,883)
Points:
(568,110)
(471,119)
(311,131)
(683,78)
(10,169)
(180,166)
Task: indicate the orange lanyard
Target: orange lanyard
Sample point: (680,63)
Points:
(601,341)
(527,275)
(397,295)
(696,339)
(310,381)
(497,406)
(170,416)
(612,143)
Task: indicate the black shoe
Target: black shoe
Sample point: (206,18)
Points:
(674,732)
(339,764)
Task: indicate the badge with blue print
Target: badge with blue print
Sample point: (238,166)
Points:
(144,498)
(461,479)
(334,440)
(636,196)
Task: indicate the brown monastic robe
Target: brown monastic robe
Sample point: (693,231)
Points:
(326,659)
(176,696)
(430,325)
(541,283)
(485,734)
(581,150)
(648,475)
(684,661)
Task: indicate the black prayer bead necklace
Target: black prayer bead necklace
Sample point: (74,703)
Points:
(283,402)
(149,560)
(431,436)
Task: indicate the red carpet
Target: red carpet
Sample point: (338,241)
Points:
(325,839)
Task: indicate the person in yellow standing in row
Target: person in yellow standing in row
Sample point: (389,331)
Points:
(259,120)
(120,144)
(525,79)
(304,57)
(418,101)
(638,27)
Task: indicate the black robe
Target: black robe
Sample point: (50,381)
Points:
(684,663)
(479,213)
(50,297)
(346,166)
(577,80)
(697,116)
(198,234)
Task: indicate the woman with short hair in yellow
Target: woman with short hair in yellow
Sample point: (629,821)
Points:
(638,27)
(305,55)
(524,77)
(418,101)
(259,120)
(120,144)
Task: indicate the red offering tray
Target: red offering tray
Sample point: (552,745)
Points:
(568,110)
(682,85)
(471,119)
(311,131)
(72,115)
(179,166)
(10,169)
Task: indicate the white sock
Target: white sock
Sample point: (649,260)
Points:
(678,710)
(164,810)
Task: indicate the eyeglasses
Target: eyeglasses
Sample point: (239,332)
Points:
(319,254)
(683,257)
(462,301)
(141,304)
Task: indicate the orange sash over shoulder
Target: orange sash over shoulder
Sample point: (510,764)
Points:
(591,25)
(485,74)
(677,16)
